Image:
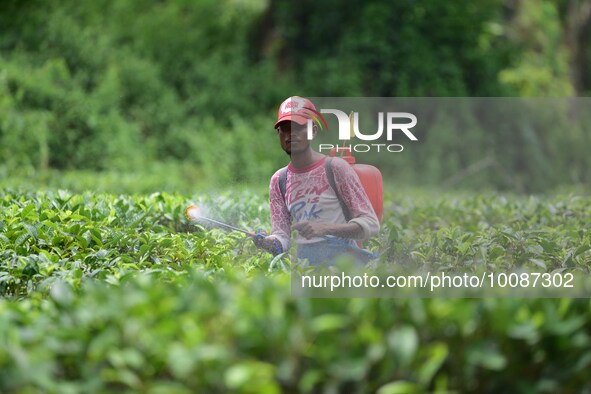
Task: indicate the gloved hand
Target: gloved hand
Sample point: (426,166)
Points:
(269,243)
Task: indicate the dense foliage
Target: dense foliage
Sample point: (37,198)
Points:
(248,335)
(61,236)
(72,237)
(121,293)
(119,85)
(108,292)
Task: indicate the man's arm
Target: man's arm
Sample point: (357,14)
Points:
(280,219)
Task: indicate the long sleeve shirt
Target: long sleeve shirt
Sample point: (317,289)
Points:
(309,197)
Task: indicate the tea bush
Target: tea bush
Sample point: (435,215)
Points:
(246,334)
(119,293)
(63,236)
(46,236)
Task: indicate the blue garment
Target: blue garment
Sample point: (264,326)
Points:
(329,250)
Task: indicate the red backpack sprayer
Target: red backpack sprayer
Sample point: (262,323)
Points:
(370,176)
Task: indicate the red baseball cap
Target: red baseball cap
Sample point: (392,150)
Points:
(296,109)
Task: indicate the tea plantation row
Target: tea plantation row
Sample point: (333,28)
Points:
(106,293)
(52,236)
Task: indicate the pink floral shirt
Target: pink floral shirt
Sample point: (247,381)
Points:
(309,197)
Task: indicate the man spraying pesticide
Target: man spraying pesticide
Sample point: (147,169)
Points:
(322,198)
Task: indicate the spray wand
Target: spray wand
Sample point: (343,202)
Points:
(193,213)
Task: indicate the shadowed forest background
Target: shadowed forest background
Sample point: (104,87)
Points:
(165,93)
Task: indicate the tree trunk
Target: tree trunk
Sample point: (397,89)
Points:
(578,18)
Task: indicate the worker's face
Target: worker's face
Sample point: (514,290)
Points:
(294,137)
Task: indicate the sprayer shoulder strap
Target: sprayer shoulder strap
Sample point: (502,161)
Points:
(331,182)
(283,182)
